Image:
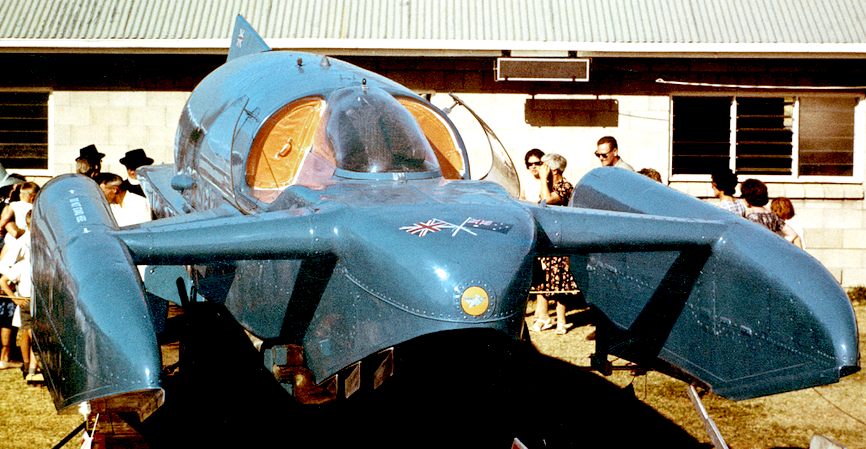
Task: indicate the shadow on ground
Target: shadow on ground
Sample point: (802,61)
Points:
(461,390)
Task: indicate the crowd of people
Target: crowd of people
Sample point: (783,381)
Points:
(128,205)
(552,280)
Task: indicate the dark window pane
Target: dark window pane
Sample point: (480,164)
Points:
(764,135)
(24,130)
(701,134)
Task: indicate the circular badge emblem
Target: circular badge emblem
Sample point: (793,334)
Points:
(474,301)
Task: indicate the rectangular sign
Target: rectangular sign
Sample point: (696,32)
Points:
(542,69)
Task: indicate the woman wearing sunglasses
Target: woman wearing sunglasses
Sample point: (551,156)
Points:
(532,191)
(557,279)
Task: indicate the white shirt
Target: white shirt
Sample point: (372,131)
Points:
(19,212)
(20,275)
(20,209)
(532,190)
(16,250)
(798,228)
(623,164)
(133,210)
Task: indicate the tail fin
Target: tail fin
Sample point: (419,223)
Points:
(245,40)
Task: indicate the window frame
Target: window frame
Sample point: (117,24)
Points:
(859,143)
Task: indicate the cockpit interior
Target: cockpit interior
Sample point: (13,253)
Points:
(355,132)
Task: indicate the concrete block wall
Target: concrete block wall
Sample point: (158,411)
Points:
(115,122)
(835,233)
(834,222)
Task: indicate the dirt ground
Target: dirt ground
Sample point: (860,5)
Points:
(789,420)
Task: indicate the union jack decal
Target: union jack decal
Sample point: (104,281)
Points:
(432,225)
(422,228)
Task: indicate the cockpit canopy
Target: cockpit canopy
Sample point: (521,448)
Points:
(355,132)
(370,132)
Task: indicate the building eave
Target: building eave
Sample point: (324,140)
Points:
(444,48)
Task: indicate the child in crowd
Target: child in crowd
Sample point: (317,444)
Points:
(783,207)
(15,282)
(10,192)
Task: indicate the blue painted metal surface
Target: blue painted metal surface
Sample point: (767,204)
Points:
(370,248)
(760,307)
(92,325)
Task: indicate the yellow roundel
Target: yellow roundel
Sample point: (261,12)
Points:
(474,301)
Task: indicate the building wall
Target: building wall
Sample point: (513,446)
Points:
(138,103)
(115,122)
(836,235)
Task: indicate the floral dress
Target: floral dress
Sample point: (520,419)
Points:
(770,220)
(557,277)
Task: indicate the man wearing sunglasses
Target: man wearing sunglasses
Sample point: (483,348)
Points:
(532,159)
(607,152)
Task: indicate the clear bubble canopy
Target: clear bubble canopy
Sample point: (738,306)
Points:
(371,132)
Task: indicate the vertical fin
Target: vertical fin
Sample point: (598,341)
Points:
(245,40)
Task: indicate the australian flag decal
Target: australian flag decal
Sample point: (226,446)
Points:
(489,225)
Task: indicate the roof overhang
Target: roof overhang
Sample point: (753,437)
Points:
(455,48)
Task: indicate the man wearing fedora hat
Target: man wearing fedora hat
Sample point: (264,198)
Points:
(132,160)
(89,161)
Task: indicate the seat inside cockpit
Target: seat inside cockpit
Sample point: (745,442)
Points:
(280,146)
(355,130)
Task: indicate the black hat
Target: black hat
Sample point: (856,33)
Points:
(90,153)
(135,158)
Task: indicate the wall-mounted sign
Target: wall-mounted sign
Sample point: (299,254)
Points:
(542,69)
